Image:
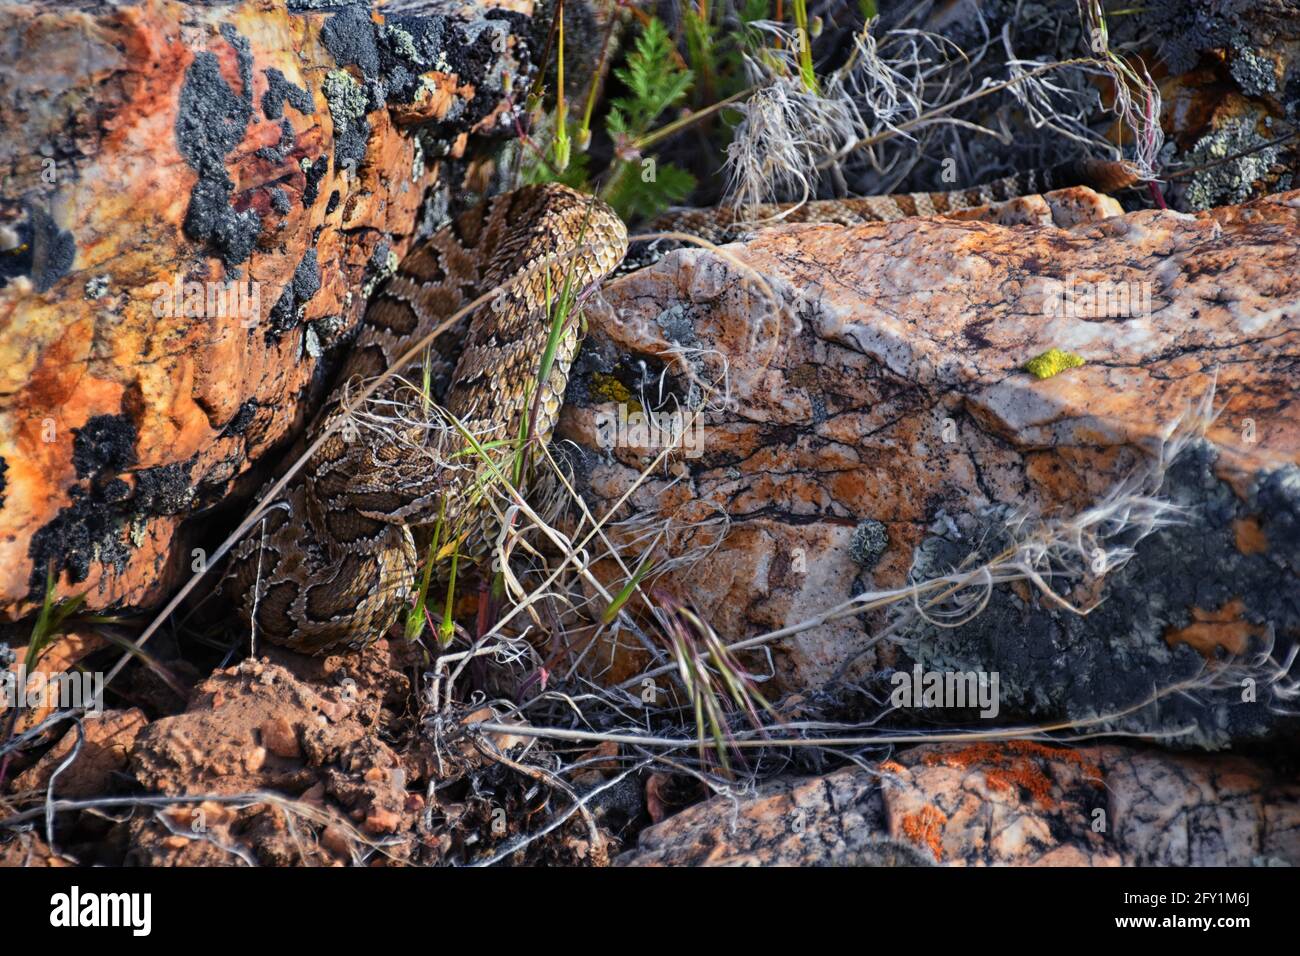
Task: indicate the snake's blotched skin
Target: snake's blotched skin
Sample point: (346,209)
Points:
(337,565)
(337,562)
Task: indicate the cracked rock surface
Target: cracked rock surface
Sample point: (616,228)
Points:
(1016,803)
(885,389)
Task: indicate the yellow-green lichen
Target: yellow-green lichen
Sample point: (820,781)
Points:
(607,388)
(1052,362)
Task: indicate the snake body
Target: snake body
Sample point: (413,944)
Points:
(336,565)
(335,562)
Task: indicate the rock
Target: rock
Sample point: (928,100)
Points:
(197,200)
(1228,93)
(281,738)
(28,849)
(57,679)
(1226,75)
(1014,803)
(259,727)
(108,739)
(888,387)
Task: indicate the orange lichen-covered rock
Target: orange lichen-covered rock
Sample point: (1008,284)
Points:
(864,414)
(1015,803)
(196,201)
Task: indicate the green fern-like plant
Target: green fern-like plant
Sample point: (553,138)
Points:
(654,82)
(636,183)
(640,185)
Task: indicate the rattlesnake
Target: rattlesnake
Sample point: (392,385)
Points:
(336,562)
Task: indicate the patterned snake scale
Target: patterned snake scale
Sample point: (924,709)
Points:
(336,563)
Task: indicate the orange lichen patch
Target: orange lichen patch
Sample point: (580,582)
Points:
(892,766)
(1017,766)
(1225,628)
(1251,538)
(925,827)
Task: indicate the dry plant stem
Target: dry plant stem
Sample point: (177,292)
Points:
(949,107)
(580,803)
(602,67)
(479,648)
(762,738)
(572,553)
(677,125)
(313,813)
(19,741)
(49,787)
(588,518)
(556,538)
(543,776)
(858,604)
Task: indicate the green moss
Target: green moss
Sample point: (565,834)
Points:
(1052,362)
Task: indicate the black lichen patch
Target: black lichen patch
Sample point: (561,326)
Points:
(104,445)
(305,6)
(1053,663)
(243,56)
(1277,498)
(286,312)
(470,49)
(211,121)
(280,91)
(349,35)
(53,250)
(392,58)
(4,480)
(87,531)
(280,201)
(164,489)
(678,324)
(283,147)
(242,419)
(314,172)
(97,526)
